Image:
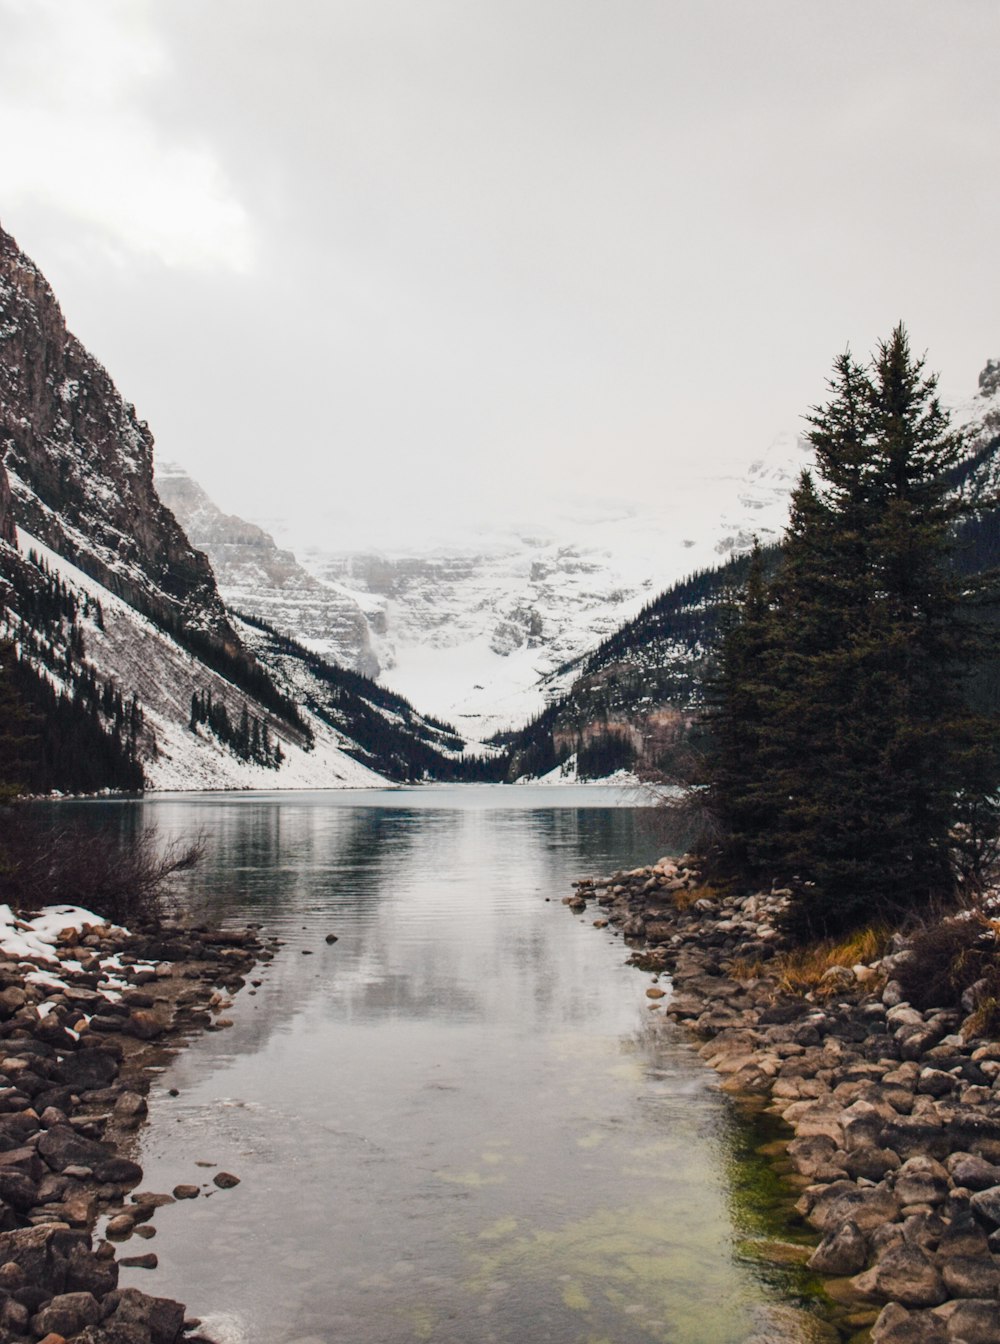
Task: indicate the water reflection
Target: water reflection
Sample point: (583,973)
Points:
(459,1121)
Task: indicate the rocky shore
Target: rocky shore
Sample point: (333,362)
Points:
(87,1012)
(894,1112)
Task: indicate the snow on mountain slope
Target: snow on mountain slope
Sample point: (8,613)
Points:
(255,576)
(470,632)
(134,651)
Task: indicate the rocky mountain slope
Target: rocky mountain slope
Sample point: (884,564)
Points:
(80,463)
(111,619)
(256,576)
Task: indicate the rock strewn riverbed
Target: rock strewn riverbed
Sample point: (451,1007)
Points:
(895,1112)
(83,1020)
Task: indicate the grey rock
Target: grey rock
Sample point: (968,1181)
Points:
(61,1147)
(971,1276)
(972,1322)
(896,1325)
(972,1172)
(87,1070)
(871,1163)
(66,1314)
(962,1236)
(161,1316)
(904,1275)
(920,1180)
(986,1206)
(843,1250)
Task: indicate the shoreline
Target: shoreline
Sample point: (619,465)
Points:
(88,1014)
(894,1112)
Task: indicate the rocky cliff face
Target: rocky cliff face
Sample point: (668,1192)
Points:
(257,577)
(81,464)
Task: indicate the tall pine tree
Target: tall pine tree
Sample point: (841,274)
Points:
(866,756)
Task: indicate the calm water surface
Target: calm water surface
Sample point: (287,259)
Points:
(461,1122)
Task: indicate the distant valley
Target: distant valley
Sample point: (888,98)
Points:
(477,635)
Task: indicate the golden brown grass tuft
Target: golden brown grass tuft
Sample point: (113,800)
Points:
(685,897)
(802,970)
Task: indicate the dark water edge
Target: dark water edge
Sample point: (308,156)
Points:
(462,1121)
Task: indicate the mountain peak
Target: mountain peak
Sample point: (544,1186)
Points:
(80,462)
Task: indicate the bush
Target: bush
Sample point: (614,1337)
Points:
(950,957)
(121,878)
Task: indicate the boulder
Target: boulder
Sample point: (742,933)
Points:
(41,1253)
(871,1163)
(866,1206)
(896,1325)
(971,1276)
(915,1136)
(920,1180)
(118,1171)
(66,1314)
(144,1024)
(162,1317)
(131,1109)
(61,1147)
(88,1271)
(18,1190)
(962,1236)
(23,1160)
(972,1322)
(86,1070)
(843,1251)
(986,1206)
(972,1171)
(904,1275)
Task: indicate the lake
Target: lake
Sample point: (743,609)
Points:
(461,1121)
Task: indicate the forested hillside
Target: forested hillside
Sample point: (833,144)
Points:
(635,701)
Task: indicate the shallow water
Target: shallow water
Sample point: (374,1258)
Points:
(461,1122)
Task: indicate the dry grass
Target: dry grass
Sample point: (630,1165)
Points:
(685,897)
(985,1020)
(801,971)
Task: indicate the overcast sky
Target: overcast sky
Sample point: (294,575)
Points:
(401,262)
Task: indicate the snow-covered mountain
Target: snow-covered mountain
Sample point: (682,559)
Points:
(475,633)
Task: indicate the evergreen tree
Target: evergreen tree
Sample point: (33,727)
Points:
(846,751)
(18,729)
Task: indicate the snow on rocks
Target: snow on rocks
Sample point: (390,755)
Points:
(83,1004)
(894,1111)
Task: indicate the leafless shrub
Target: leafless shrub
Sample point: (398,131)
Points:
(121,878)
(950,956)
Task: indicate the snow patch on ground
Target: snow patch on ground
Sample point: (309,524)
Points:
(34,939)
